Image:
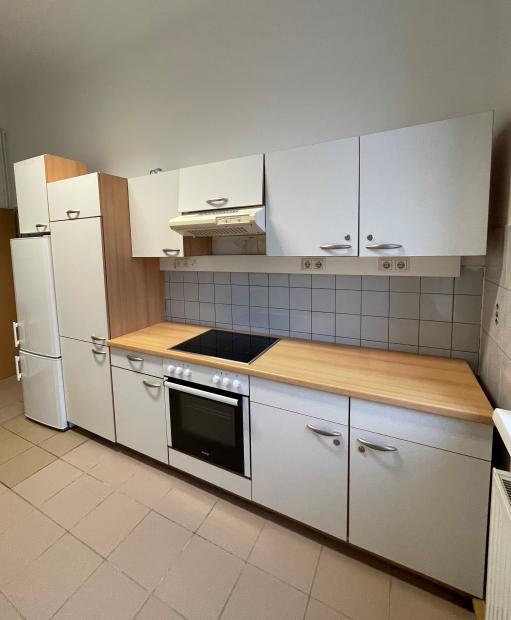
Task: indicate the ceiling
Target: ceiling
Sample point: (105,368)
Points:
(40,36)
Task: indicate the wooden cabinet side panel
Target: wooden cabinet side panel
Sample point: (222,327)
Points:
(8,306)
(134,286)
(58,168)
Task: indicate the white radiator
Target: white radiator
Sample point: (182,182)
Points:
(498,581)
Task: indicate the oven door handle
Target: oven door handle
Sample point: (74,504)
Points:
(209,395)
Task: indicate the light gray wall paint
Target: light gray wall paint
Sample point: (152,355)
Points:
(238,77)
(431,316)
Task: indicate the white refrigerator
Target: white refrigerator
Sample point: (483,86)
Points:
(36,332)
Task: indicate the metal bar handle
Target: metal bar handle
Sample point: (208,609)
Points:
(323,432)
(383,246)
(98,339)
(17,364)
(132,358)
(170,251)
(151,384)
(217,202)
(376,446)
(71,212)
(202,393)
(98,352)
(335,246)
(16,336)
(43,226)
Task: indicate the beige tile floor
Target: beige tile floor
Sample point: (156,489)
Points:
(90,532)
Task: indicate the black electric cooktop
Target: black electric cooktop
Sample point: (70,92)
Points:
(227,345)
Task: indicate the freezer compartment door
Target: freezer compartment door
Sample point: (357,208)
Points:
(43,389)
(37,326)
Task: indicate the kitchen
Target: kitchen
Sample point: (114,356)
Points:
(262,380)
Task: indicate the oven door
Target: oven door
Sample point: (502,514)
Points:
(209,424)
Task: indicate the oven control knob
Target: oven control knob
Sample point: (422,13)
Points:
(226,382)
(187,373)
(236,384)
(178,371)
(170,369)
(216,379)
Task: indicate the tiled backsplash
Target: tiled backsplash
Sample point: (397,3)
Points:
(435,316)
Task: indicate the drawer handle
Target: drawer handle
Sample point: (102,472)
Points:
(41,226)
(132,358)
(18,369)
(71,212)
(383,246)
(98,352)
(217,202)
(335,246)
(376,446)
(170,252)
(151,385)
(98,339)
(323,432)
(16,335)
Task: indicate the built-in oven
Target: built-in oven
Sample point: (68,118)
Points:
(209,418)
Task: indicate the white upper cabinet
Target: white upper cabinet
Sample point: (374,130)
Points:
(74,198)
(222,185)
(424,189)
(30,176)
(312,200)
(153,202)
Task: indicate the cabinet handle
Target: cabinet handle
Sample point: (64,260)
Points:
(16,336)
(17,364)
(98,339)
(151,385)
(376,446)
(41,226)
(132,358)
(98,352)
(335,246)
(71,212)
(383,246)
(217,202)
(323,432)
(170,252)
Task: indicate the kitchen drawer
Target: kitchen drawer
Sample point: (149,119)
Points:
(469,438)
(74,198)
(139,362)
(315,403)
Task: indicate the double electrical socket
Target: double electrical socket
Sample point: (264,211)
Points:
(313,264)
(394,264)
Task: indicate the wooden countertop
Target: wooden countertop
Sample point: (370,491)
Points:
(432,384)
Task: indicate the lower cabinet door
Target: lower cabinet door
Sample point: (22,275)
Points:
(300,467)
(88,386)
(421,507)
(140,413)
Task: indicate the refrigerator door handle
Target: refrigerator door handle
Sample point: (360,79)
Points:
(18,371)
(16,336)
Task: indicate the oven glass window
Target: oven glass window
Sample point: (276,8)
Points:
(208,429)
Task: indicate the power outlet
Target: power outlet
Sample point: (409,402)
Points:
(318,264)
(307,264)
(402,264)
(313,264)
(184,263)
(385,264)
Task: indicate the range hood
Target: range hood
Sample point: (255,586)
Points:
(221,223)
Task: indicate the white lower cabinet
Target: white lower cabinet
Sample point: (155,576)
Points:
(299,471)
(88,386)
(422,507)
(140,413)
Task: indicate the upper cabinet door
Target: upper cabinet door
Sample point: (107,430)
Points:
(74,198)
(30,177)
(222,185)
(312,200)
(80,279)
(424,189)
(153,202)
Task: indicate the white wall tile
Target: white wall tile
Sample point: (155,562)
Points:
(405,284)
(347,326)
(240,295)
(465,337)
(437,285)
(467,309)
(278,297)
(375,303)
(259,317)
(435,335)
(323,299)
(221,277)
(323,323)
(258,296)
(470,281)
(322,281)
(258,279)
(374,328)
(223,294)
(348,282)
(436,307)
(348,302)
(300,321)
(207,293)
(375,283)
(404,331)
(279,318)
(404,305)
(300,298)
(191,291)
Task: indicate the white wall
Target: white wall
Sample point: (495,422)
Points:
(247,76)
